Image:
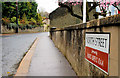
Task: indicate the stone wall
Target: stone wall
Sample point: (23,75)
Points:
(33,30)
(71,42)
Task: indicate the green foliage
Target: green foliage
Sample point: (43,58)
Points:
(39,19)
(33,20)
(29,8)
(27,12)
(12,26)
(25,19)
(13,19)
(18,21)
(22,26)
(5,21)
(29,5)
(9,9)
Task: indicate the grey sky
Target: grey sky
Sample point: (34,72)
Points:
(47,5)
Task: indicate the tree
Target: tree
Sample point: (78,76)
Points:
(33,21)
(39,18)
(5,21)
(8,9)
(103,4)
(29,8)
(24,18)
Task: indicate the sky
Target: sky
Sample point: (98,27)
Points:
(47,5)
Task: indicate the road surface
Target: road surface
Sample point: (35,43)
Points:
(46,61)
(13,49)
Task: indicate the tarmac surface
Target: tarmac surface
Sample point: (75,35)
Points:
(48,61)
(12,48)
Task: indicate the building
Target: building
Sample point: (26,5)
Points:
(61,17)
(46,23)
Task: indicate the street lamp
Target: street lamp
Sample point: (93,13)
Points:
(84,11)
(16,31)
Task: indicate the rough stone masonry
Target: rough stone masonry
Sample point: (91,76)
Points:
(71,42)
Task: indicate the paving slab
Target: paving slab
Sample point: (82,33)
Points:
(48,61)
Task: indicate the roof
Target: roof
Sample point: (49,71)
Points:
(60,11)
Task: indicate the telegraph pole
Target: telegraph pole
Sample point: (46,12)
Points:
(0,17)
(84,11)
(16,31)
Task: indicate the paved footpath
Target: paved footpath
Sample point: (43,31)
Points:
(48,61)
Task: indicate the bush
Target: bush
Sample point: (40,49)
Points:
(34,26)
(5,21)
(22,26)
(33,21)
(13,19)
(12,26)
(30,27)
(18,21)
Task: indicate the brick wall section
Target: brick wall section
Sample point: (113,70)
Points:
(71,42)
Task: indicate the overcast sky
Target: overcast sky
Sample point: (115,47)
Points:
(47,5)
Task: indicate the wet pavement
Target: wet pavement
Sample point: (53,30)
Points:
(0,57)
(13,47)
(48,61)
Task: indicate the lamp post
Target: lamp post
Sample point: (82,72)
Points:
(0,17)
(16,31)
(84,11)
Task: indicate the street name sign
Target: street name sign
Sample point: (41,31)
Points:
(97,47)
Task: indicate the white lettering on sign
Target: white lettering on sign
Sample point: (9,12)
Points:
(100,62)
(95,59)
(94,52)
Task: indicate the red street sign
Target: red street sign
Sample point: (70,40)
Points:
(118,12)
(97,50)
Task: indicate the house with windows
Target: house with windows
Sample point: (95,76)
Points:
(46,23)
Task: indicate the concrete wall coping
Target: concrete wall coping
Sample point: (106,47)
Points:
(103,22)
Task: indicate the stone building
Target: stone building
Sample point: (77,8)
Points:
(61,17)
(46,23)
